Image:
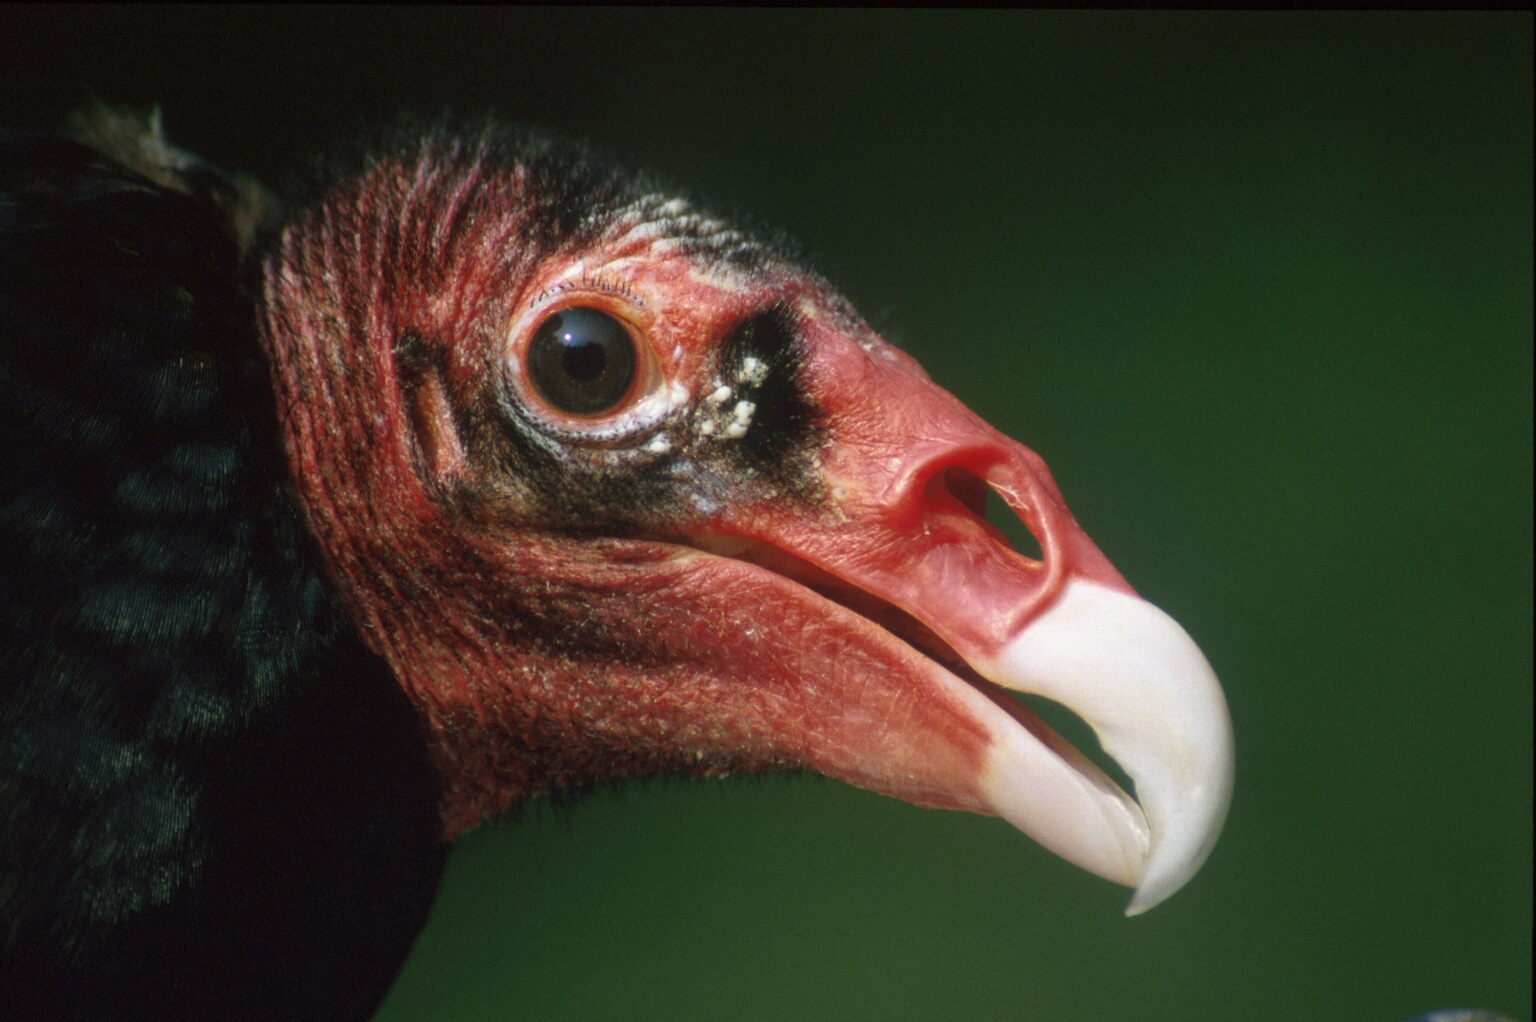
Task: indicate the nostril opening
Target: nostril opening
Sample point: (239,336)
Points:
(973,492)
(1019,536)
(968,488)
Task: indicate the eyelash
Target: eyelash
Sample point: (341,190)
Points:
(599,282)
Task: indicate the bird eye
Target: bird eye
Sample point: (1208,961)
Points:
(582,361)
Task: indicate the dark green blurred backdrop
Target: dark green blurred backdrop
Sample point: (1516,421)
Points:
(1258,287)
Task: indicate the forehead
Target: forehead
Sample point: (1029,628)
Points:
(569,198)
(494,217)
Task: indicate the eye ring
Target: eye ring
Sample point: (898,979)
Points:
(582,361)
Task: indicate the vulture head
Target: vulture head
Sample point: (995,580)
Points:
(484,473)
(617,489)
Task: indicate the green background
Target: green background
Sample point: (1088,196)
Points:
(1258,287)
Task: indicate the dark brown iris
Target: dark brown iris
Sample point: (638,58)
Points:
(582,361)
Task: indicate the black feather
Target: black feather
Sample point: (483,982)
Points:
(214,801)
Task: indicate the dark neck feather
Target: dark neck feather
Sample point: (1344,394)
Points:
(214,801)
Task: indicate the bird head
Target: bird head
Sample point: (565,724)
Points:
(618,489)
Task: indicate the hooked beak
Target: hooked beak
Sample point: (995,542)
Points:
(1144,687)
(912,563)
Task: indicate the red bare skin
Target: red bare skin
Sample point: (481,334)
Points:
(542,659)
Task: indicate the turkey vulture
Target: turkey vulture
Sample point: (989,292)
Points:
(484,472)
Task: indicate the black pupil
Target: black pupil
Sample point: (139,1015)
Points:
(582,361)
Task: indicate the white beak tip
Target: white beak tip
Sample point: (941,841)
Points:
(1142,684)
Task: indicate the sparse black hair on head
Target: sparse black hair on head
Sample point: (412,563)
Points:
(576,183)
